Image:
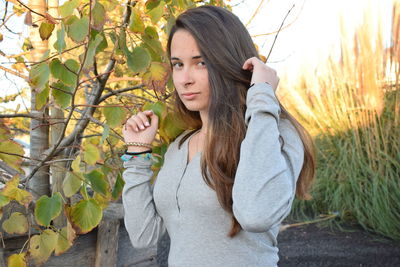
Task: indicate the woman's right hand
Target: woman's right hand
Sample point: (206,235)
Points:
(141,128)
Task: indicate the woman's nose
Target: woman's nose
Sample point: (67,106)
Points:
(187,77)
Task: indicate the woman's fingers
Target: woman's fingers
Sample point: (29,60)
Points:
(261,72)
(140,120)
(249,63)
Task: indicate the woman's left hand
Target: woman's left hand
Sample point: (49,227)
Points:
(261,72)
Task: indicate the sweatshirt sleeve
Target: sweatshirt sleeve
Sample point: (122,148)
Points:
(267,172)
(145,227)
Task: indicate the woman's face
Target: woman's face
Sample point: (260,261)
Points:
(189,72)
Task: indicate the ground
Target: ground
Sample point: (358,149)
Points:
(312,245)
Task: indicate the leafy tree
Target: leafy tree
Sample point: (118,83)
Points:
(90,64)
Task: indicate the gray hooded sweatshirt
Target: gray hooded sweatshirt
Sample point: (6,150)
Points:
(181,203)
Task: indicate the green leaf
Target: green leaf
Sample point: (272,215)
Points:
(65,72)
(68,8)
(79,29)
(118,186)
(170,22)
(45,30)
(10,146)
(158,108)
(85,215)
(68,22)
(16,224)
(60,93)
(3,200)
(92,50)
(139,60)
(170,127)
(157,12)
(72,183)
(136,24)
(152,43)
(99,16)
(105,134)
(48,208)
(159,152)
(103,45)
(91,154)
(17,260)
(56,67)
(60,44)
(41,98)
(150,4)
(41,246)
(39,76)
(115,116)
(97,182)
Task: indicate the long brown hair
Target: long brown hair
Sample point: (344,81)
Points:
(225,44)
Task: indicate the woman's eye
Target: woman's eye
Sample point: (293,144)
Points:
(177,65)
(201,63)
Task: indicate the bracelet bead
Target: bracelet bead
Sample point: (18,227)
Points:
(147,156)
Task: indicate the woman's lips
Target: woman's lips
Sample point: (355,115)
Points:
(189,96)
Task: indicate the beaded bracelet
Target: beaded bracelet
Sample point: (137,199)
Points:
(138,144)
(127,157)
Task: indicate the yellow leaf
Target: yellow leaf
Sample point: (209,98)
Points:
(75,164)
(102,200)
(12,191)
(157,76)
(72,183)
(136,24)
(17,260)
(13,147)
(16,224)
(64,239)
(91,154)
(41,246)
(85,215)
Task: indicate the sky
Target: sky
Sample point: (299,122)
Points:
(314,31)
(312,35)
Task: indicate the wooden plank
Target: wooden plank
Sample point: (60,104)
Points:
(133,257)
(114,211)
(107,243)
(2,258)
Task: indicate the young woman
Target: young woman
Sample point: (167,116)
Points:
(229,180)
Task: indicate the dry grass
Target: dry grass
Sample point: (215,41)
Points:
(352,108)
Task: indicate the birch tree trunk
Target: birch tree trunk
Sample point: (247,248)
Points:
(39,131)
(57,116)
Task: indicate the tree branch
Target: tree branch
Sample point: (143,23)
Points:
(116,92)
(13,72)
(255,13)
(9,169)
(33,11)
(53,150)
(17,155)
(81,126)
(111,63)
(20,115)
(276,36)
